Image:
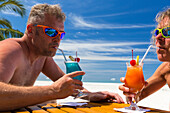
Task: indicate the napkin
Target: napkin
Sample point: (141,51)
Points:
(72,104)
(130,111)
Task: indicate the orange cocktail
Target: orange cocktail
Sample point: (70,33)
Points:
(134,78)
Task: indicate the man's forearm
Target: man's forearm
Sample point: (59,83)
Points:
(13,97)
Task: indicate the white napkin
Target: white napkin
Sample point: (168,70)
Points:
(130,111)
(72,104)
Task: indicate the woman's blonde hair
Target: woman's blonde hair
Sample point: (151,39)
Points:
(159,17)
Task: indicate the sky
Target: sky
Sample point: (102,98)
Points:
(103,32)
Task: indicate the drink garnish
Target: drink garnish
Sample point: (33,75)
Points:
(77,58)
(71,58)
(132,62)
(137,60)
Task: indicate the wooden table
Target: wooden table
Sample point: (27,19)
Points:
(88,108)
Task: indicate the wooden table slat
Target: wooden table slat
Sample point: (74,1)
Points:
(36,109)
(52,109)
(56,110)
(22,110)
(103,110)
(71,110)
(88,110)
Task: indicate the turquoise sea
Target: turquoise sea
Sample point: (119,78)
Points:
(112,72)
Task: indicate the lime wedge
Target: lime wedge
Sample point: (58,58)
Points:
(137,60)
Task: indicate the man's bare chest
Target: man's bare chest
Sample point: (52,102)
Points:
(26,74)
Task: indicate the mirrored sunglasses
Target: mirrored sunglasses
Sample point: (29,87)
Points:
(51,32)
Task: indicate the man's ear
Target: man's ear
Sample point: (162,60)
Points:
(29,28)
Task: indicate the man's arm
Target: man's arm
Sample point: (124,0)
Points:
(52,70)
(13,97)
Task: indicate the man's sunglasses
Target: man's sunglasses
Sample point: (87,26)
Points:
(51,32)
(164,31)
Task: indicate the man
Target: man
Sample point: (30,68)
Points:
(22,60)
(162,74)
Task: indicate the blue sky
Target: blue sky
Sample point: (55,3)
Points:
(103,32)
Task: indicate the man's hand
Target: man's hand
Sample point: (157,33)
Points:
(66,85)
(105,96)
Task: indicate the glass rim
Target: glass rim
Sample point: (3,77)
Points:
(129,65)
(70,62)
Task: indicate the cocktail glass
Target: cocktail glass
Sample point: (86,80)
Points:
(72,66)
(134,80)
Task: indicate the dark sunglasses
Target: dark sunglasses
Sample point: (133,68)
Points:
(164,31)
(51,32)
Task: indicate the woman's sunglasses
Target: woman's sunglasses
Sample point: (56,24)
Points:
(51,32)
(164,31)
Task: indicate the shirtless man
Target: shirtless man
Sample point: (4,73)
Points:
(162,74)
(22,60)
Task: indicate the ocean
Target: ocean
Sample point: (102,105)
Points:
(112,74)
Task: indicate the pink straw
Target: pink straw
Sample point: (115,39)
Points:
(132,54)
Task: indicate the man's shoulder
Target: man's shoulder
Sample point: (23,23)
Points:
(10,43)
(11,40)
(10,47)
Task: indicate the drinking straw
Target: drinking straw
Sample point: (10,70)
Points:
(62,53)
(145,54)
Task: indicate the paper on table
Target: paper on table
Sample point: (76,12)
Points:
(72,104)
(130,111)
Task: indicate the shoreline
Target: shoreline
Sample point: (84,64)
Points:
(158,100)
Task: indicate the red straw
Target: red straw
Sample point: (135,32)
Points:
(132,54)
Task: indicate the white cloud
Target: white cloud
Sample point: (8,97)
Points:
(98,45)
(101,50)
(117,14)
(10,13)
(79,22)
(108,15)
(28,5)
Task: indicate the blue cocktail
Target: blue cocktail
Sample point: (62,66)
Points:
(72,66)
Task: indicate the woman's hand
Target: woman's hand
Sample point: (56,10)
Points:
(127,93)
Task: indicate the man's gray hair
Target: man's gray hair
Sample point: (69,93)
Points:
(37,13)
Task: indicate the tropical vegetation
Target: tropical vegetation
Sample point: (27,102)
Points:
(6,29)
